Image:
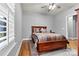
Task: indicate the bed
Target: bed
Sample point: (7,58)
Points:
(46,41)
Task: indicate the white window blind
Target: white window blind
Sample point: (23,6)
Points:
(3,26)
(7,12)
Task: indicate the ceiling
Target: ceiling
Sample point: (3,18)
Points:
(36,7)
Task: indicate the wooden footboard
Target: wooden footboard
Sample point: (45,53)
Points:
(51,45)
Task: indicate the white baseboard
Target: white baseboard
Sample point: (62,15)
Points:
(26,38)
(18,48)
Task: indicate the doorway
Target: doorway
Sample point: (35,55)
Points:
(71,27)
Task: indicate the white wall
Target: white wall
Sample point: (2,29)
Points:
(30,19)
(18,22)
(60,20)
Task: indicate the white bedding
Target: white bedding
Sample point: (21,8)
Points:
(45,35)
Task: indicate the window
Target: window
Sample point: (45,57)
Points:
(6,25)
(3,28)
(3,32)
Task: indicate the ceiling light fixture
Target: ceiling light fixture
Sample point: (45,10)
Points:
(52,6)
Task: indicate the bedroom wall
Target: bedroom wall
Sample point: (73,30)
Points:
(30,19)
(60,20)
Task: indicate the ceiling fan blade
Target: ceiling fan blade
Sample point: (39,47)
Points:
(48,5)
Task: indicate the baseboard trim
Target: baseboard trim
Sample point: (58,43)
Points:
(27,38)
(19,48)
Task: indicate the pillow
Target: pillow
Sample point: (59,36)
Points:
(43,30)
(36,30)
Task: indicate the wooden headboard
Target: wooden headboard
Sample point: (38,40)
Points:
(38,27)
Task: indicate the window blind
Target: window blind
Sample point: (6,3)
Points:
(7,12)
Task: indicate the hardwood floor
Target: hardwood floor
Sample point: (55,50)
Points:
(25,49)
(73,44)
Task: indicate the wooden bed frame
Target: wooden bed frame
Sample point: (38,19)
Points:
(44,46)
(40,27)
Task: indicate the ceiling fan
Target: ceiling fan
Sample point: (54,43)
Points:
(47,5)
(51,6)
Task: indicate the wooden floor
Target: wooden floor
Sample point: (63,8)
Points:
(73,44)
(26,47)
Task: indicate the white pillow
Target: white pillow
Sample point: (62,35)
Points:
(43,30)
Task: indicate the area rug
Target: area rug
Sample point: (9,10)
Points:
(60,52)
